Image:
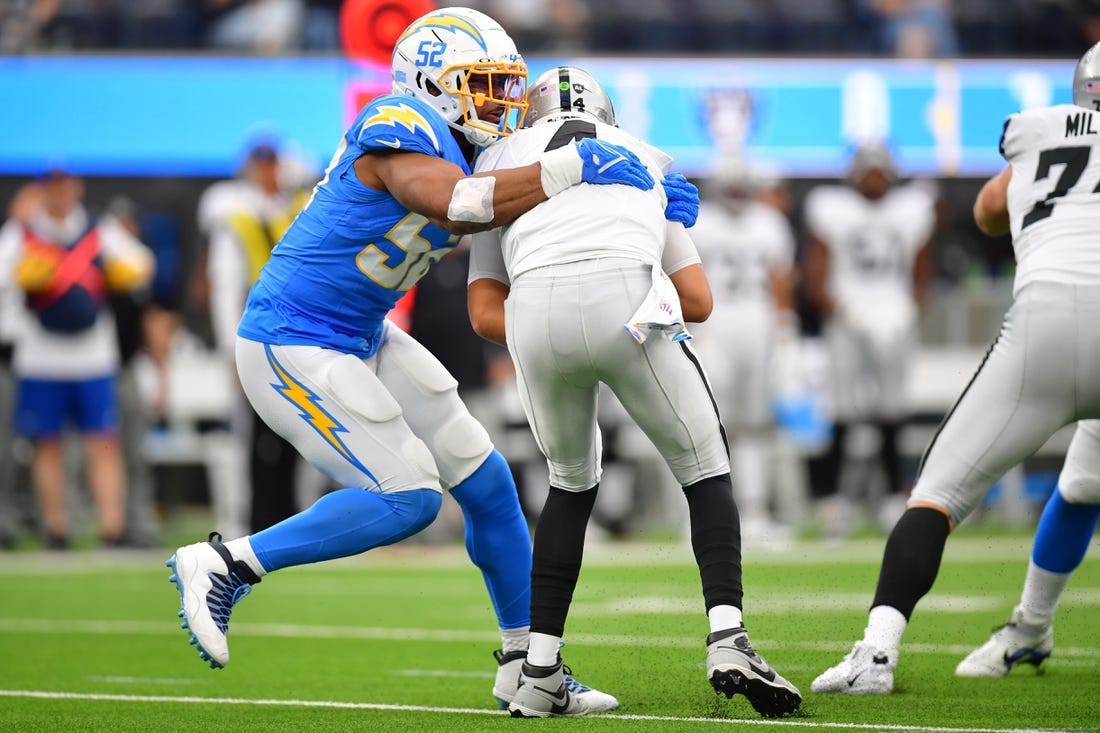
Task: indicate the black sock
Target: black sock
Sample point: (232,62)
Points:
(716,540)
(558,551)
(911,559)
(826,469)
(891,455)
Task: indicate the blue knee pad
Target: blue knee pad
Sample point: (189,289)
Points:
(497,538)
(1063,535)
(345,522)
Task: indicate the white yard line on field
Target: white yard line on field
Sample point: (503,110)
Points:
(368,633)
(793,723)
(125,680)
(968,546)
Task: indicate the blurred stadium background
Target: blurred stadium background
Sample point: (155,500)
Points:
(155,101)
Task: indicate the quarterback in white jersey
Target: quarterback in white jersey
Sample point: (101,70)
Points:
(747,248)
(1040,374)
(868,266)
(360,399)
(579,293)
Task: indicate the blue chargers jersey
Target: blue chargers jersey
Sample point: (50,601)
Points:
(353,252)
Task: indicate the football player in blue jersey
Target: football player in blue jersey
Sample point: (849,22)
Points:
(358,397)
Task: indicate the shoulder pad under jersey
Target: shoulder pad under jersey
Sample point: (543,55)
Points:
(400,122)
(1027,129)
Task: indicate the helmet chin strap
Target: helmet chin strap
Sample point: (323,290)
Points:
(478,137)
(471,147)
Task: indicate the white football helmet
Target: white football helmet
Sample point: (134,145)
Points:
(872,170)
(1086,80)
(733,182)
(568,90)
(872,155)
(457,59)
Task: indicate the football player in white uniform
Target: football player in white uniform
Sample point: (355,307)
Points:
(747,248)
(359,398)
(868,263)
(1069,519)
(1039,375)
(580,295)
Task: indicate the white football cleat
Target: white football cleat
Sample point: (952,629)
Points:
(509,667)
(210,582)
(1017,642)
(864,671)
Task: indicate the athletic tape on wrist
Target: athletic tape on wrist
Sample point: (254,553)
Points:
(561,169)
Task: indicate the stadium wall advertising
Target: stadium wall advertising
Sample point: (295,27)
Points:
(166,116)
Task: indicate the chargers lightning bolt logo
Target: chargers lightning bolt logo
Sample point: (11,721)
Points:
(318,418)
(401,114)
(448,22)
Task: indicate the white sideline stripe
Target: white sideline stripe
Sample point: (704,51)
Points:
(442,673)
(123,680)
(970,546)
(368,633)
(52,695)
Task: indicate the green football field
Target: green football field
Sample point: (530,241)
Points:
(401,640)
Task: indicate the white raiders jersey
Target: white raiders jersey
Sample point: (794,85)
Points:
(578,227)
(1054,194)
(872,244)
(741,249)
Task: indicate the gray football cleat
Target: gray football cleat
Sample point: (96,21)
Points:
(734,667)
(507,681)
(542,693)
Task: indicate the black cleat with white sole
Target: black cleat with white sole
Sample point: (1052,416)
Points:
(734,668)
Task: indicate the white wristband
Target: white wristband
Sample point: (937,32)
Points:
(561,169)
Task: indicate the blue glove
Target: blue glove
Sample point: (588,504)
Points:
(606,163)
(683,199)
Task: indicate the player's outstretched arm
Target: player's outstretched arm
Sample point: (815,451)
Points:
(592,161)
(462,204)
(441,191)
(991,204)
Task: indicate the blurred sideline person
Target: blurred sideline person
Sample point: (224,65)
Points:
(559,286)
(868,267)
(357,396)
(747,248)
(244,218)
(1062,538)
(66,354)
(1039,375)
(270,27)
